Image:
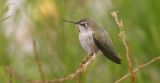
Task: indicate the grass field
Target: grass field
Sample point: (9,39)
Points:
(57,44)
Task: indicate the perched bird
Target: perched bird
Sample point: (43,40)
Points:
(94,39)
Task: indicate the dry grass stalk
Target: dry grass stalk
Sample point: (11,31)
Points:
(88,60)
(15,75)
(10,77)
(123,38)
(5,18)
(138,68)
(38,62)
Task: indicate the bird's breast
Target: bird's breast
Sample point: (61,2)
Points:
(87,42)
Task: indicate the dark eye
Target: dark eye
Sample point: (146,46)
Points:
(83,24)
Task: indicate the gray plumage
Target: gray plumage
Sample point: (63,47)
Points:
(94,39)
(104,43)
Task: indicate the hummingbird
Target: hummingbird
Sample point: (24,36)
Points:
(94,39)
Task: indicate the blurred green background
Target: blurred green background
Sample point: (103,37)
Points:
(58,45)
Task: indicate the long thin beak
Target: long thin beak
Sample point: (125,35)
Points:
(70,21)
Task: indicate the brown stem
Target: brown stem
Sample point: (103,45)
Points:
(123,38)
(38,62)
(88,60)
(138,68)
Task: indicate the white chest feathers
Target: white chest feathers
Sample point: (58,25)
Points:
(87,42)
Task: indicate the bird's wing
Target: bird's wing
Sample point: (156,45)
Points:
(104,43)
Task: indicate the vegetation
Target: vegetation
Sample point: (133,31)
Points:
(57,45)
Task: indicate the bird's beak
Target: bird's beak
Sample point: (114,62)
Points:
(70,21)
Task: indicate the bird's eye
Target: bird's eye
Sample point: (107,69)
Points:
(83,24)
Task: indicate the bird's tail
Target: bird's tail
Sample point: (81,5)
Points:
(112,56)
(108,52)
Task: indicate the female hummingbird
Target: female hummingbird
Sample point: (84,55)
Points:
(94,39)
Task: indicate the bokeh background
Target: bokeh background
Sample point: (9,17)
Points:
(58,45)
